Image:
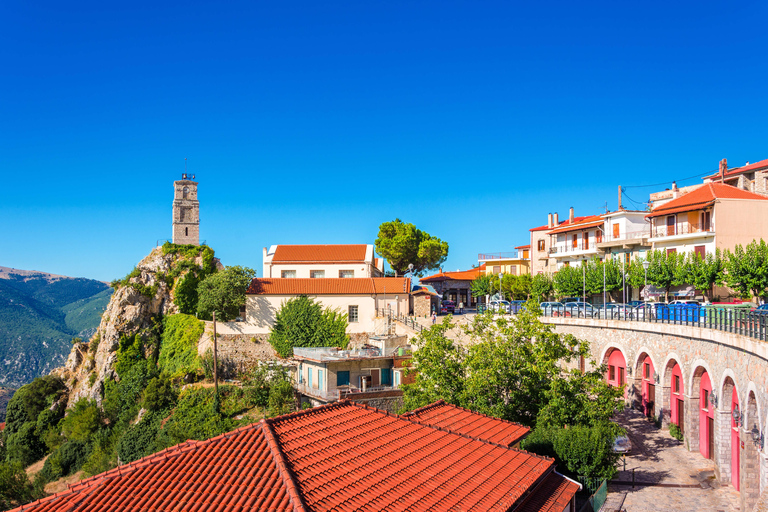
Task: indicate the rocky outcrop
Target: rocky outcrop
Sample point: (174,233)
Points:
(137,304)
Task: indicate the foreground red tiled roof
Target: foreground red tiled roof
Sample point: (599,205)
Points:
(524,247)
(456,419)
(329,286)
(702,197)
(587,222)
(341,457)
(566,222)
(319,253)
(552,495)
(463,275)
(738,170)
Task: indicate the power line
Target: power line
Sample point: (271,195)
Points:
(666,182)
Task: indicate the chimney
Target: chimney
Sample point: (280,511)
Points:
(723,169)
(570,216)
(675,190)
(549,221)
(620,208)
(555,220)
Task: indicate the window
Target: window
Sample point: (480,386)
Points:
(386,376)
(317,274)
(670,225)
(320,381)
(542,245)
(706,221)
(611,373)
(352,315)
(185,192)
(575,242)
(346,273)
(671,251)
(616,231)
(599,236)
(705,399)
(676,384)
(286,274)
(342,378)
(700,250)
(397,378)
(309,378)
(186,231)
(647,370)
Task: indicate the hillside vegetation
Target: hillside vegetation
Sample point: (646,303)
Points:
(39,316)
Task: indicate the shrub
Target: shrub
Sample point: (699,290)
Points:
(103,456)
(185,294)
(195,417)
(139,440)
(159,394)
(15,488)
(675,432)
(121,398)
(82,421)
(302,322)
(24,446)
(588,451)
(282,399)
(227,368)
(66,460)
(178,350)
(29,400)
(93,345)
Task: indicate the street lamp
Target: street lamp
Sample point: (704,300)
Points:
(646,264)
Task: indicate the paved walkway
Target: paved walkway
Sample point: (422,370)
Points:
(674,478)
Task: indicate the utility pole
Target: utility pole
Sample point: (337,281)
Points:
(215,358)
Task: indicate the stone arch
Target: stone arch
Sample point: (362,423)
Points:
(643,392)
(754,417)
(701,417)
(729,430)
(610,347)
(697,367)
(616,360)
(643,350)
(728,373)
(673,391)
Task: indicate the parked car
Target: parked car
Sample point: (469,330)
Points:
(618,310)
(447,306)
(645,311)
(579,309)
(685,301)
(499,305)
(622,444)
(761,309)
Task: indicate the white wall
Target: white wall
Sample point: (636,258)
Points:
(260,310)
(331,270)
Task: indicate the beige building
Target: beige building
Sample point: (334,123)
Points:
(322,261)
(359,298)
(749,177)
(541,260)
(515,262)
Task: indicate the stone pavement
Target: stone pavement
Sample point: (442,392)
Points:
(675,479)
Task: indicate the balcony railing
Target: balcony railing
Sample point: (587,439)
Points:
(629,235)
(510,255)
(560,249)
(681,229)
(339,393)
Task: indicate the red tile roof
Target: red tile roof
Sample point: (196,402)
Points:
(319,253)
(738,170)
(462,275)
(456,419)
(562,223)
(329,286)
(702,197)
(586,222)
(524,247)
(343,456)
(552,495)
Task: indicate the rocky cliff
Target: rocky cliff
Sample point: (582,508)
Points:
(140,300)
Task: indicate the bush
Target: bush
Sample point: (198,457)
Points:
(66,460)
(185,294)
(139,440)
(227,368)
(121,398)
(25,446)
(159,394)
(103,456)
(257,383)
(178,350)
(675,432)
(195,417)
(29,400)
(282,399)
(82,421)
(15,488)
(302,322)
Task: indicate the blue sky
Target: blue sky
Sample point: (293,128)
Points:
(314,122)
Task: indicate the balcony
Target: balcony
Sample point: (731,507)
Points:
(510,255)
(625,240)
(686,230)
(343,392)
(562,250)
(324,354)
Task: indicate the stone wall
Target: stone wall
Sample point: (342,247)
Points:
(730,360)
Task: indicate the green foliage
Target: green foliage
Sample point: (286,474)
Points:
(67,459)
(666,270)
(258,383)
(15,487)
(569,282)
(25,446)
(117,283)
(282,398)
(93,345)
(224,292)
(481,285)
(140,439)
(83,420)
(195,416)
(402,244)
(302,322)
(185,294)
(675,432)
(702,274)
(747,269)
(178,351)
(542,287)
(103,455)
(30,400)
(129,352)
(121,398)
(159,394)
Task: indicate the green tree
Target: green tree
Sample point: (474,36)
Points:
(403,244)
(282,398)
(83,420)
(568,282)
(747,269)
(588,450)
(703,274)
(516,287)
(481,285)
(224,292)
(29,400)
(666,270)
(15,487)
(302,322)
(542,287)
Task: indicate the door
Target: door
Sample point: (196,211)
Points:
(670,225)
(615,231)
(651,400)
(711,435)
(681,416)
(575,241)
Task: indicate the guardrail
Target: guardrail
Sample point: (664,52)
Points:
(408,321)
(722,318)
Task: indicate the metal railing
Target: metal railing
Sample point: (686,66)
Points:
(739,321)
(408,321)
(681,229)
(501,255)
(629,235)
(339,393)
(570,248)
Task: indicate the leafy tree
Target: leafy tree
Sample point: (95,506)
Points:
(588,450)
(302,322)
(159,394)
(224,292)
(568,282)
(703,274)
(83,420)
(542,287)
(516,287)
(67,459)
(403,244)
(29,400)
(25,446)
(747,269)
(481,285)
(666,270)
(15,487)
(282,398)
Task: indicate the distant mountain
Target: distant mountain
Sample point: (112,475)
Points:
(40,313)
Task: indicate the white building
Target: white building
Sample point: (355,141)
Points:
(322,261)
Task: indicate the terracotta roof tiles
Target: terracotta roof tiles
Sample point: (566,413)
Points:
(702,197)
(738,170)
(462,275)
(586,222)
(319,253)
(329,286)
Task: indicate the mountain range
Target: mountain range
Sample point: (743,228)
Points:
(40,314)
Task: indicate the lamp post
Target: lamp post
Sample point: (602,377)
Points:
(584,284)
(646,264)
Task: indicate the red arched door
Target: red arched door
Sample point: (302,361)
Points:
(649,386)
(676,399)
(734,440)
(617,369)
(706,418)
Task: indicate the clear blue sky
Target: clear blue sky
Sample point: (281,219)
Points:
(313,122)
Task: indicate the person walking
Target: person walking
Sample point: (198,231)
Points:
(461,307)
(434,318)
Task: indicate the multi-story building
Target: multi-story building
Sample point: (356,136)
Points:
(541,260)
(322,261)
(575,241)
(749,177)
(455,286)
(515,262)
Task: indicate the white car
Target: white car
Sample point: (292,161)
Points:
(500,305)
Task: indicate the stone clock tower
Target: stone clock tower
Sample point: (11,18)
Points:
(186,211)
